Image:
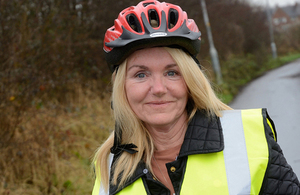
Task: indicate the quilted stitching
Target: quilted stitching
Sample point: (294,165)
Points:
(203,135)
(280,178)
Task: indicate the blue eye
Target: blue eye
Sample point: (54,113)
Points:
(141,75)
(171,73)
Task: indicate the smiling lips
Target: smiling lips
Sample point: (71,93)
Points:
(158,103)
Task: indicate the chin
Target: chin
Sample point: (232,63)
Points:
(160,121)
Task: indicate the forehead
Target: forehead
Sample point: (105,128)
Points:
(149,56)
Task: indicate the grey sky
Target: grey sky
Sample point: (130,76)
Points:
(274,2)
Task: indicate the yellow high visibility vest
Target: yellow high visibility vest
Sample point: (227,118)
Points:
(238,169)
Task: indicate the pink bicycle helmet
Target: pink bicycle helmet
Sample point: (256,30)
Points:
(149,24)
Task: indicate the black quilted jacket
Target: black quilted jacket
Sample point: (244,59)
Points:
(279,178)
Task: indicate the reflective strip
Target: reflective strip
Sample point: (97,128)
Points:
(136,187)
(235,153)
(257,147)
(98,187)
(205,174)
(246,150)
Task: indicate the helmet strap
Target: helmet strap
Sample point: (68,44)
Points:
(119,148)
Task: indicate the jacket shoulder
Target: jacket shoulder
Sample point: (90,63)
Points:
(279,177)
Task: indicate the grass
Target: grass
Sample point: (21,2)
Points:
(51,150)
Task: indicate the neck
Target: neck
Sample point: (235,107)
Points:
(169,136)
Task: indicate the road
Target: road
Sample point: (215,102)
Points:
(279,92)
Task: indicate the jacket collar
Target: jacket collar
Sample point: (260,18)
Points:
(203,135)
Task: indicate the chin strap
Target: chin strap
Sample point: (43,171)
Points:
(118,148)
(124,147)
(197,61)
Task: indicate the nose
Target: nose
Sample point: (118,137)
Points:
(159,87)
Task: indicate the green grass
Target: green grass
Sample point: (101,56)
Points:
(289,57)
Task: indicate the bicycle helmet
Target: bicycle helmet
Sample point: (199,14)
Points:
(149,24)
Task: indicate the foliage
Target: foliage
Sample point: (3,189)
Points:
(50,152)
(288,40)
(237,28)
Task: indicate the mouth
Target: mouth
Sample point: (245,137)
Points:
(158,103)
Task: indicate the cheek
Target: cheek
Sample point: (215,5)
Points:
(135,93)
(180,90)
(183,96)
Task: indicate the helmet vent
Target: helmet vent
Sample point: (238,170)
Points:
(146,4)
(173,18)
(153,18)
(134,23)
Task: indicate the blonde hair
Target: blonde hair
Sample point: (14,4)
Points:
(201,96)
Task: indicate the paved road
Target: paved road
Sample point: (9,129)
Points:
(279,92)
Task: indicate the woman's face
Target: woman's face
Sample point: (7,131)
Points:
(155,88)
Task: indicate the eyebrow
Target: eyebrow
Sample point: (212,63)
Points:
(146,68)
(171,66)
(138,66)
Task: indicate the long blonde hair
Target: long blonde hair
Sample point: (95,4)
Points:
(201,96)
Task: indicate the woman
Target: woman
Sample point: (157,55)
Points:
(172,134)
